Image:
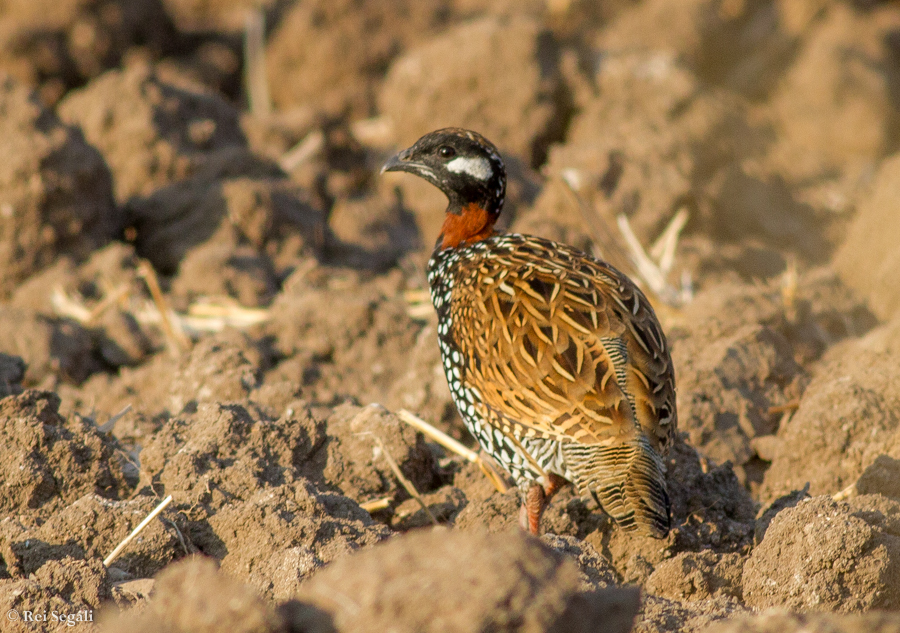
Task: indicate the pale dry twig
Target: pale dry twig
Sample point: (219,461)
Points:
(118,550)
(406,483)
(178,340)
(452,445)
(255,79)
(376,504)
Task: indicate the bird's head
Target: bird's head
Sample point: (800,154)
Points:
(468,169)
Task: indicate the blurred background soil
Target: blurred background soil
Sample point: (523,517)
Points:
(208,292)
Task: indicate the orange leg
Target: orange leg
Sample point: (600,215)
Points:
(532,508)
(535,501)
(556,482)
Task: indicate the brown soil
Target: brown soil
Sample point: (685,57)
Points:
(267,403)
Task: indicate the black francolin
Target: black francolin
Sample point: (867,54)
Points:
(555,359)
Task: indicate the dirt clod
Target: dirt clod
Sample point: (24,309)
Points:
(396,584)
(458,78)
(822,556)
(49,459)
(193,596)
(56,189)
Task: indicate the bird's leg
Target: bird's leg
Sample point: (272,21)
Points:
(535,500)
(533,504)
(553,485)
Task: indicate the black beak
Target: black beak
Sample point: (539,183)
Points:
(399,162)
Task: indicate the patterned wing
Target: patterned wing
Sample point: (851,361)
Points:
(563,346)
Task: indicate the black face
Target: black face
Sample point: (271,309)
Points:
(463,164)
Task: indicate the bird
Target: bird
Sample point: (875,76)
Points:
(555,360)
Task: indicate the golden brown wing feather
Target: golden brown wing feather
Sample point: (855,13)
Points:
(561,345)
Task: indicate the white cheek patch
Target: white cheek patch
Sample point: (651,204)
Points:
(478,168)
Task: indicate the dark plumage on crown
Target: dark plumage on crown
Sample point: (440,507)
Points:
(463,164)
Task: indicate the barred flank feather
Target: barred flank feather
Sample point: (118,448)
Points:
(628,481)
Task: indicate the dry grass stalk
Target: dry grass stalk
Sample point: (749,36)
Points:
(791,405)
(417,295)
(790,279)
(179,535)
(418,303)
(178,340)
(847,493)
(376,504)
(376,131)
(489,470)
(663,249)
(118,550)
(107,426)
(647,269)
(653,274)
(437,435)
(635,262)
(406,483)
(107,302)
(455,447)
(256,82)
(68,306)
(606,245)
(206,315)
(311,145)
(215,314)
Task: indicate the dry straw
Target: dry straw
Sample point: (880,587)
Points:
(452,445)
(118,550)
(406,483)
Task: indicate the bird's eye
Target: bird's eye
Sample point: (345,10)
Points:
(447,152)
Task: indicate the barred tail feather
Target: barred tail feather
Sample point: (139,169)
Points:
(627,480)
